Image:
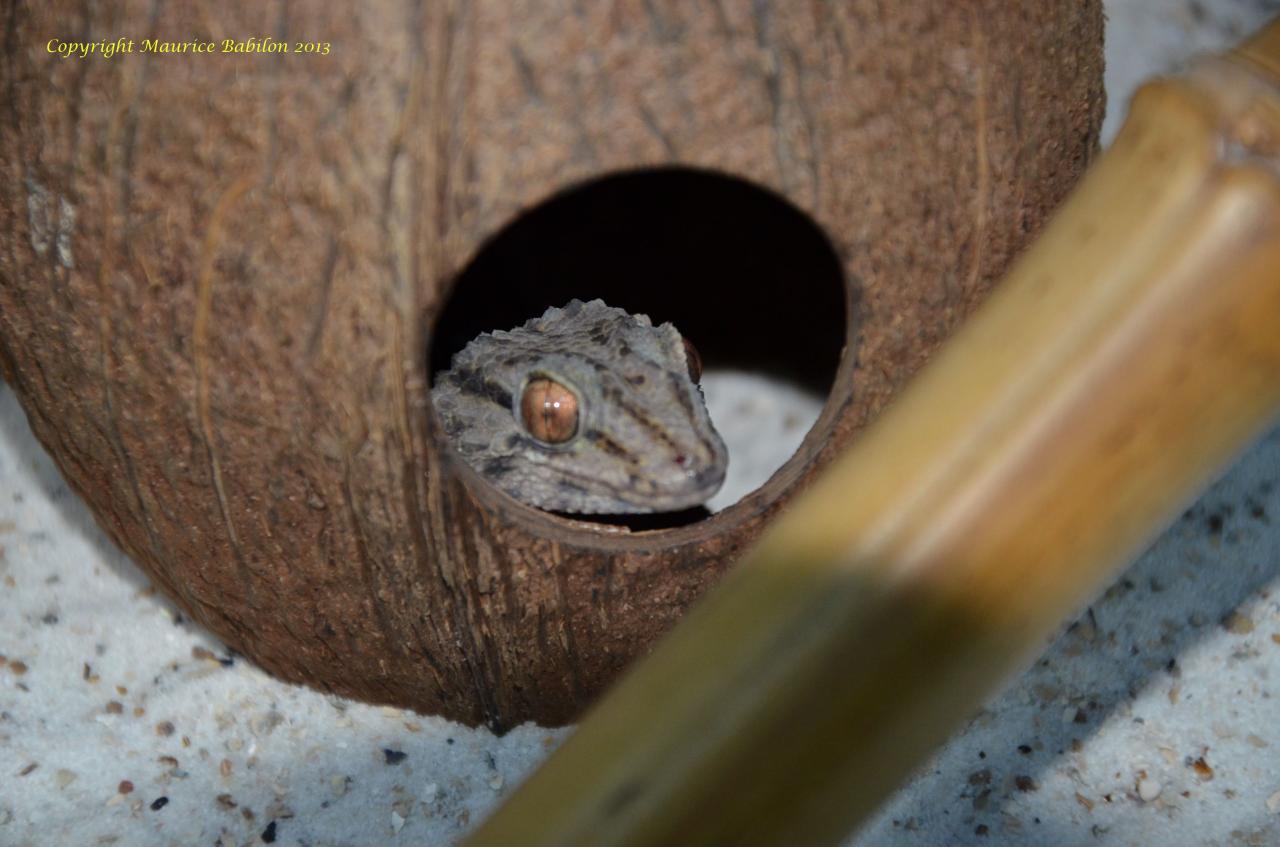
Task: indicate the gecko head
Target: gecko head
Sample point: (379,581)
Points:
(586,410)
(611,440)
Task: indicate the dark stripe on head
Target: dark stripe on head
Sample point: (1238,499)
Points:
(569,487)
(499,465)
(655,429)
(475,384)
(610,446)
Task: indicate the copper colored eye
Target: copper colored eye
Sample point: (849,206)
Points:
(549,410)
(693,360)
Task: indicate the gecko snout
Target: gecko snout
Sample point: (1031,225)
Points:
(700,473)
(711,477)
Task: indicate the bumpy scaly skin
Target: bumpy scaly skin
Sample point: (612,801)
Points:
(644,441)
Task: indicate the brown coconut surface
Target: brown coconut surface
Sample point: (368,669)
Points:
(228,277)
(1151,719)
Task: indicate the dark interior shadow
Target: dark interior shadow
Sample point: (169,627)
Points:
(748,278)
(643,522)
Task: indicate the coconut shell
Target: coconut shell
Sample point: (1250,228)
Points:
(226,278)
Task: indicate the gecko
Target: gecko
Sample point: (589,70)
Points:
(588,409)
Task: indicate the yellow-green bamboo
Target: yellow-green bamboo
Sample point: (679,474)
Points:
(1131,352)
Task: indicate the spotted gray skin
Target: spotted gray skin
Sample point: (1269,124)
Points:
(644,441)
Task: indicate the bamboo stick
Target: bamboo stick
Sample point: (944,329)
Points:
(1130,353)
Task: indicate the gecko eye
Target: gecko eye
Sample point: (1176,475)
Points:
(693,360)
(549,410)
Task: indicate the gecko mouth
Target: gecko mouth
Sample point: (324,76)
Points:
(693,489)
(690,489)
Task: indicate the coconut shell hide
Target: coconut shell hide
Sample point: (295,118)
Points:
(226,278)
